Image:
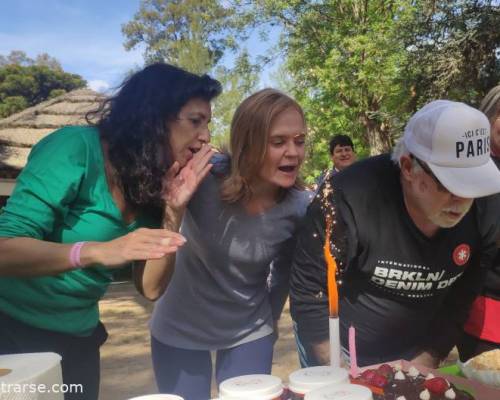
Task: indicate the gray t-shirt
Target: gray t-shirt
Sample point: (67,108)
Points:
(219,296)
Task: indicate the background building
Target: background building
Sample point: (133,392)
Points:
(19,132)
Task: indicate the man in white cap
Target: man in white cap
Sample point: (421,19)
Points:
(409,238)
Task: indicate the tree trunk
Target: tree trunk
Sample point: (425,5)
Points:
(377,135)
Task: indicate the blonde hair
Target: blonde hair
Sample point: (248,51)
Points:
(249,135)
(491,104)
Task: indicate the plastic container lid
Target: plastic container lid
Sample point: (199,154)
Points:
(344,391)
(158,397)
(255,387)
(307,379)
(31,368)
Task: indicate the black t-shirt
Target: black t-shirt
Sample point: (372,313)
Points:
(403,292)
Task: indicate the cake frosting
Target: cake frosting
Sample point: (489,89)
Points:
(393,383)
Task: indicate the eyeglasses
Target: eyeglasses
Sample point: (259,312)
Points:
(428,171)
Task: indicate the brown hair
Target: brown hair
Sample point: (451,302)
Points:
(491,104)
(248,139)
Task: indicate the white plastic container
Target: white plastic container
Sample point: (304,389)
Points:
(345,391)
(158,397)
(251,387)
(304,380)
(27,373)
(489,377)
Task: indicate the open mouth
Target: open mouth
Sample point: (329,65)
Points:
(288,168)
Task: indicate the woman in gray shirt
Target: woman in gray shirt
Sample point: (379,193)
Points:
(239,223)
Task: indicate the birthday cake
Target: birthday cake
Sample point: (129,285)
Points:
(393,383)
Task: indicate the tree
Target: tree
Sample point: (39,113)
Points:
(25,82)
(44,59)
(361,67)
(345,60)
(12,104)
(18,57)
(195,35)
(238,83)
(453,48)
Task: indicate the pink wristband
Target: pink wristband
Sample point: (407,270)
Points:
(74,254)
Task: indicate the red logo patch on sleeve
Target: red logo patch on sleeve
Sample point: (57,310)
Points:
(461,254)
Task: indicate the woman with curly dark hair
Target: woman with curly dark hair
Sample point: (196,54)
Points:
(91,199)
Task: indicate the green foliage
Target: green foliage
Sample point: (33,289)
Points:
(11,105)
(361,67)
(18,57)
(344,59)
(453,48)
(238,83)
(195,34)
(24,82)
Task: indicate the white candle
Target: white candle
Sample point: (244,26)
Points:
(334,342)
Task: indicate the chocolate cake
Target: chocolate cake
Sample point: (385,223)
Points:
(392,383)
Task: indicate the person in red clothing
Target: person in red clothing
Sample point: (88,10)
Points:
(482,329)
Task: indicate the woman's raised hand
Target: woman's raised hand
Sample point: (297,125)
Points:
(180,184)
(142,244)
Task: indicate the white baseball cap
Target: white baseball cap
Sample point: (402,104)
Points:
(453,139)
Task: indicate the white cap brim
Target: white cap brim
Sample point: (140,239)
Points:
(469,182)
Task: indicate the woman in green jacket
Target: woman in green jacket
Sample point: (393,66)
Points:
(91,199)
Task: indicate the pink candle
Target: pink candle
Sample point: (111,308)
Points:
(352,351)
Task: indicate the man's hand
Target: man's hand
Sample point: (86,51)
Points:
(426,359)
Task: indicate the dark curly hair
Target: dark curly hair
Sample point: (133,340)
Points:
(134,124)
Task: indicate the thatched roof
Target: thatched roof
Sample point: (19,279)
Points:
(19,132)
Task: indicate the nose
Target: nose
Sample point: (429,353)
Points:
(204,135)
(291,150)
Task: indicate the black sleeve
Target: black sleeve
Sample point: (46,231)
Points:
(447,325)
(308,282)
